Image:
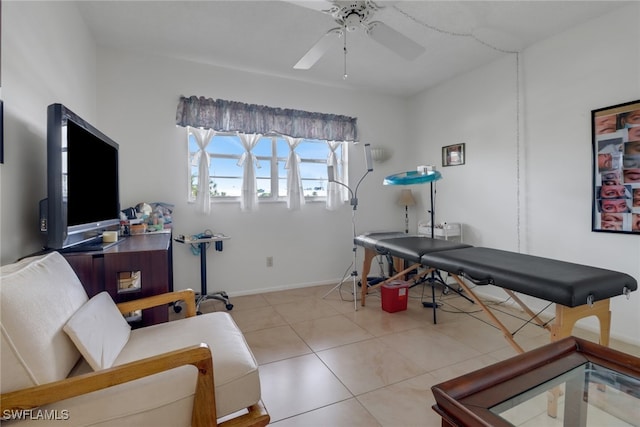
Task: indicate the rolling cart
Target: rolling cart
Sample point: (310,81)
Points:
(202,242)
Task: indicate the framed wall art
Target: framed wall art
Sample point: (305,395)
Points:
(616,168)
(453,155)
(1,131)
(1,105)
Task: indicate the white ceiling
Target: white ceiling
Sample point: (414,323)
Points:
(269,37)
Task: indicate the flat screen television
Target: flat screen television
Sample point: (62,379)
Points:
(82,182)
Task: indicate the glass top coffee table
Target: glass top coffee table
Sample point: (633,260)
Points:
(589,394)
(571,382)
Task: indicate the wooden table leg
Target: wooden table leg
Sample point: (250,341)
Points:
(496,322)
(399,265)
(575,403)
(566,318)
(369,255)
(527,310)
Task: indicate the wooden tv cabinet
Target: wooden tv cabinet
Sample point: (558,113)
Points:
(137,266)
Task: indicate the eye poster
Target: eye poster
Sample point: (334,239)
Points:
(616,168)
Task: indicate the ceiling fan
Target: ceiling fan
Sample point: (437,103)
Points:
(358,15)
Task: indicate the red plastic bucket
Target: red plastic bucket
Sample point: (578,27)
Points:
(395,295)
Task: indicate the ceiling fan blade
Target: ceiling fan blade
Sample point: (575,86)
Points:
(320,5)
(317,50)
(397,42)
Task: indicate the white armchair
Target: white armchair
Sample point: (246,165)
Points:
(192,371)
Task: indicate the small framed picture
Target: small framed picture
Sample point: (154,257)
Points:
(453,155)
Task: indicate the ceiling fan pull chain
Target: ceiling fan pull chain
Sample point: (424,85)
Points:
(345,75)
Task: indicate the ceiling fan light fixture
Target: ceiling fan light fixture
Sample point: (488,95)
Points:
(354,15)
(353,21)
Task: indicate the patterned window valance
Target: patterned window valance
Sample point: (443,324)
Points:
(231,116)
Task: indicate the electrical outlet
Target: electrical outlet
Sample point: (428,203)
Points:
(269,261)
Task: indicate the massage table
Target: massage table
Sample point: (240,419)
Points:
(401,246)
(577,290)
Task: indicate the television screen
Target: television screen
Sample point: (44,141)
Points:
(82,181)
(92,173)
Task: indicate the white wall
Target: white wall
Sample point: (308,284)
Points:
(138,97)
(562,79)
(47,56)
(478,109)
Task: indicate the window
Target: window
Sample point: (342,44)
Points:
(225,174)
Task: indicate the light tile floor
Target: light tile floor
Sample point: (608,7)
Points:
(324,364)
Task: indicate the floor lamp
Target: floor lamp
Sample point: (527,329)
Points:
(406,199)
(354,204)
(413,178)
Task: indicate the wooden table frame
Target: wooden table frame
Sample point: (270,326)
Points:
(563,324)
(468,399)
(369,255)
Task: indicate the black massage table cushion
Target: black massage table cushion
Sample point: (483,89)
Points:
(408,247)
(412,248)
(370,240)
(560,282)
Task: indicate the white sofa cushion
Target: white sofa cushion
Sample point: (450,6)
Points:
(99,331)
(236,377)
(37,296)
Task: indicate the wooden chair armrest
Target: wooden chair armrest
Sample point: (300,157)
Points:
(257,416)
(204,405)
(187,295)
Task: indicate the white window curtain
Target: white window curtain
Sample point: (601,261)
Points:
(203,196)
(295,195)
(249,162)
(335,192)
